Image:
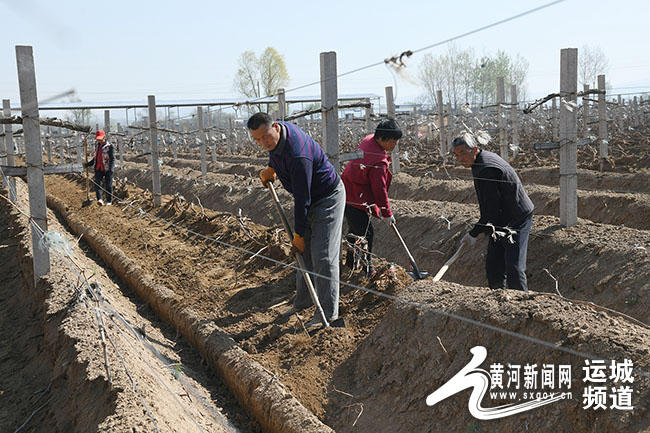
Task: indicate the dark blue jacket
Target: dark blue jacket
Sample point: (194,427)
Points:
(303,169)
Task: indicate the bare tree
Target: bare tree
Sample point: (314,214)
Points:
(431,73)
(247,77)
(263,76)
(273,71)
(463,78)
(591,63)
(79,116)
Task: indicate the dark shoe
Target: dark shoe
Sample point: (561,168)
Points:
(313,322)
(291,311)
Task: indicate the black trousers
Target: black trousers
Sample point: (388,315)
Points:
(505,263)
(360,225)
(108,184)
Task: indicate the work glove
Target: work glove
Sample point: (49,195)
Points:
(298,244)
(388,220)
(268,174)
(469,240)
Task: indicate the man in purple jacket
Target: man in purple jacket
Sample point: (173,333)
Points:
(319,202)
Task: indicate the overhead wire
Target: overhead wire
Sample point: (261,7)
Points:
(372,65)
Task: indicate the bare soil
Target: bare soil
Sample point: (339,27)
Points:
(236,290)
(53,376)
(373,375)
(603,263)
(244,295)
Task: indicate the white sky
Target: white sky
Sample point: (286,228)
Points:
(123,51)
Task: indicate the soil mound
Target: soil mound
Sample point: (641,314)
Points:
(414,351)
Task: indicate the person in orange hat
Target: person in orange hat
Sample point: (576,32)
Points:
(103,163)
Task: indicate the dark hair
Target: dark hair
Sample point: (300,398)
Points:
(387,129)
(464,139)
(259,119)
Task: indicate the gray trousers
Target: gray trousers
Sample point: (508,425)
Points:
(322,251)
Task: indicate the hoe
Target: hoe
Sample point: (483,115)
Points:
(338,323)
(415,272)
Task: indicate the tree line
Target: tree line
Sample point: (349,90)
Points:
(461,75)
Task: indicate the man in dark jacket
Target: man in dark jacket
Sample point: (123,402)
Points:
(506,214)
(103,163)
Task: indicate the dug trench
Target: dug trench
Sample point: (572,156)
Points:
(53,375)
(197,283)
(373,376)
(601,263)
(635,182)
(611,198)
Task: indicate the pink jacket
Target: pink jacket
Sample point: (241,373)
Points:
(367,180)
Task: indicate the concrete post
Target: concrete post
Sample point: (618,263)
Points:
(602,121)
(282,105)
(121,146)
(204,164)
(641,112)
(635,112)
(501,121)
(3,150)
(620,111)
(390,111)
(329,105)
(554,120)
(368,116)
(48,142)
(415,125)
(568,137)
(153,135)
(33,156)
(585,113)
(451,126)
(9,147)
(60,141)
(514,115)
(441,126)
(107,124)
(213,147)
(78,148)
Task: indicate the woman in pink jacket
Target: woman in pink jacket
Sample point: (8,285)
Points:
(366,186)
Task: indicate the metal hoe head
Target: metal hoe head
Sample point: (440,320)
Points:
(415,272)
(418,276)
(338,323)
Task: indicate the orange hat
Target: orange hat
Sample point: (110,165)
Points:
(100,134)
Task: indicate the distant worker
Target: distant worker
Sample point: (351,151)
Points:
(366,186)
(506,214)
(319,203)
(103,163)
